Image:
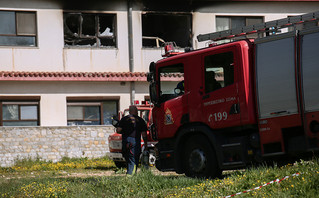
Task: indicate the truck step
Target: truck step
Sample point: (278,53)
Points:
(234,164)
(231,145)
(273,154)
(233,155)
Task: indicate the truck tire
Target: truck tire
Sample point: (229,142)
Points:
(120,164)
(200,159)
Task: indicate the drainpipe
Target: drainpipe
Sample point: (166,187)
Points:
(130,47)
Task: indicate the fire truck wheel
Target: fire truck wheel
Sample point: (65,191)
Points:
(200,159)
(120,164)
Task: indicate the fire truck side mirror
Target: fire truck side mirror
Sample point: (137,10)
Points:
(151,74)
(152,67)
(153,93)
(150,77)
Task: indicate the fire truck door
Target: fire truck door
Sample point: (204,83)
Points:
(220,98)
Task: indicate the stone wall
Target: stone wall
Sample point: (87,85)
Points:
(52,143)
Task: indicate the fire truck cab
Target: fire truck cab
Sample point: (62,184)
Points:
(115,139)
(240,103)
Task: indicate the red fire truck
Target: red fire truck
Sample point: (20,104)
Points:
(115,139)
(240,102)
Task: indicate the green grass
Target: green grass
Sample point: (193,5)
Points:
(28,165)
(58,180)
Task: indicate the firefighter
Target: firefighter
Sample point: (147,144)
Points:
(211,82)
(132,127)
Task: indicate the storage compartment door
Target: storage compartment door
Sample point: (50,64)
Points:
(276,83)
(310,70)
(310,83)
(276,79)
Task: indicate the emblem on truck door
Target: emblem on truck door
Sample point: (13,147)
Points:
(168,117)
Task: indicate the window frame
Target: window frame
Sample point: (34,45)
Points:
(230,18)
(83,105)
(17,34)
(20,103)
(81,102)
(162,75)
(223,84)
(80,36)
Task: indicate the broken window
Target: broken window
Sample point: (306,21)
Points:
(18,28)
(91,30)
(167,27)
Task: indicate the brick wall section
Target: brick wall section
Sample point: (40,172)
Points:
(53,143)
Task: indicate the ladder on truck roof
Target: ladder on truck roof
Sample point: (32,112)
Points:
(269,26)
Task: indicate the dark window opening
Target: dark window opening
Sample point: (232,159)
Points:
(92,30)
(219,71)
(167,27)
(88,25)
(18,28)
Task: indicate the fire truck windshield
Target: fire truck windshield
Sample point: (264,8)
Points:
(171,89)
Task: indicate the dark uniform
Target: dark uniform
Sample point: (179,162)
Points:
(132,126)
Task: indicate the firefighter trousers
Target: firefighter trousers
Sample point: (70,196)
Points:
(132,154)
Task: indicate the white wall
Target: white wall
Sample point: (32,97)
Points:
(253,7)
(53,111)
(204,18)
(203,23)
(53,95)
(51,55)
(47,56)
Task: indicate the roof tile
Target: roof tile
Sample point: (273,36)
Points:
(78,76)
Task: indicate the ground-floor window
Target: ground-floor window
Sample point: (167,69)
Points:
(91,112)
(20,113)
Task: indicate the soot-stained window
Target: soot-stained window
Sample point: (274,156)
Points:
(167,27)
(89,30)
